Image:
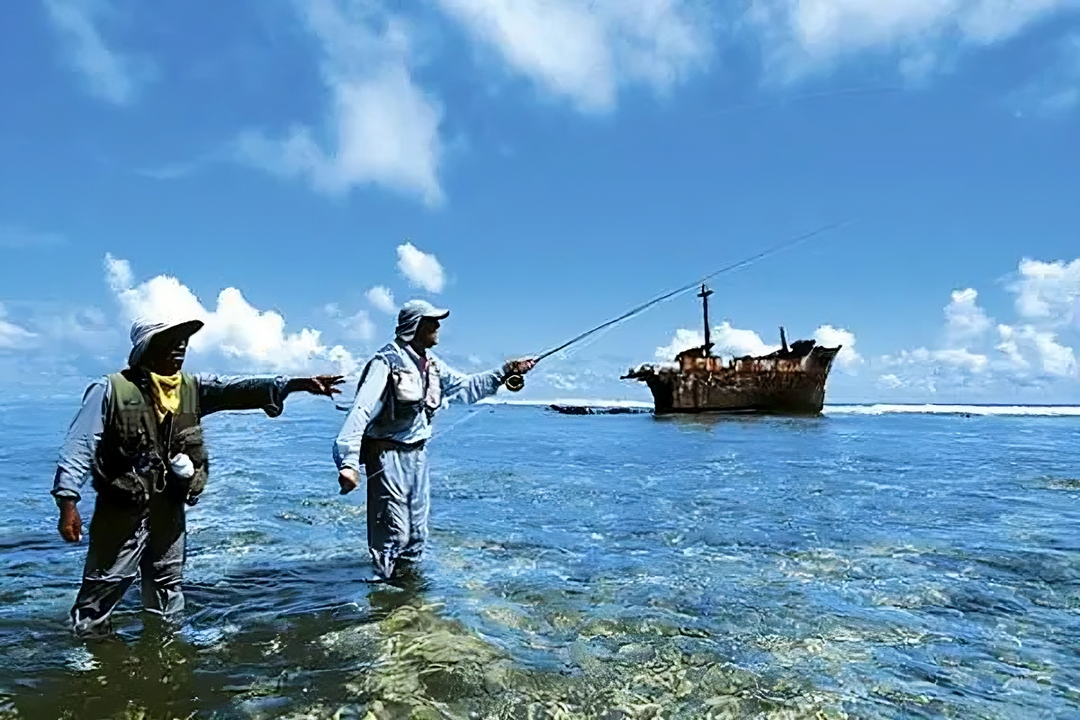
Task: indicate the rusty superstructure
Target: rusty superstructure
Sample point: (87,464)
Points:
(789,381)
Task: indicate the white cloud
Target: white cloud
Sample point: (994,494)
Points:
(830,337)
(357,327)
(964,319)
(683,340)
(109,75)
(1032,351)
(890,382)
(13,336)
(953,359)
(586,50)
(729,341)
(420,268)
(1048,291)
(383,128)
(812,33)
(234,329)
(1026,347)
(382,299)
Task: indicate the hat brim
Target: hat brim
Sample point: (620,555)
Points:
(437,314)
(180,331)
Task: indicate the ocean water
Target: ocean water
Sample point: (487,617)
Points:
(876,562)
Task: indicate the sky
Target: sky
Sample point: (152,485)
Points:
(291,171)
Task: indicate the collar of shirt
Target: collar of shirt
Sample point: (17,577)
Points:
(419,360)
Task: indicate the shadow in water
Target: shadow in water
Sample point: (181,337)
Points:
(708,421)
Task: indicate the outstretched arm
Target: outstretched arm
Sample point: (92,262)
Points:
(217,393)
(458,386)
(76,455)
(367,404)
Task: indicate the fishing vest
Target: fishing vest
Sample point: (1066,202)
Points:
(132,459)
(409,394)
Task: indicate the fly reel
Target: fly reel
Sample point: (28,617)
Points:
(515,382)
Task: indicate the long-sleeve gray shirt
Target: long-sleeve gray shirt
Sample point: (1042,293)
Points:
(363,417)
(216,393)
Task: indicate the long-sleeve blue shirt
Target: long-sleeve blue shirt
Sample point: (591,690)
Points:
(216,393)
(363,417)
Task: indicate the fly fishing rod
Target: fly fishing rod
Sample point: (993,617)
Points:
(516,382)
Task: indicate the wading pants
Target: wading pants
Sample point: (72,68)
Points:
(398,503)
(124,543)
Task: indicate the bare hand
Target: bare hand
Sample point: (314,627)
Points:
(518,367)
(318,385)
(70,525)
(348,479)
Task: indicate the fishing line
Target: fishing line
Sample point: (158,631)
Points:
(517,382)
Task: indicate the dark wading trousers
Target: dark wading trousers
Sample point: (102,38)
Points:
(124,543)
(398,503)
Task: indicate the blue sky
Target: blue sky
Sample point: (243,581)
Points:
(539,166)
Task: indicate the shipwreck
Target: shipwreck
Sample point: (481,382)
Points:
(790,381)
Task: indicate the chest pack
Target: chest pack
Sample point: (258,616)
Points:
(410,392)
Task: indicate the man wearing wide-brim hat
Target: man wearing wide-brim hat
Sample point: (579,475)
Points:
(389,424)
(138,436)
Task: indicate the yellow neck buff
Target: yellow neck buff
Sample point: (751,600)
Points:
(165,391)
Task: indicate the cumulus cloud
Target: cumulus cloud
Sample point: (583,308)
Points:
(420,268)
(13,336)
(964,319)
(811,33)
(382,129)
(829,336)
(108,74)
(358,326)
(585,50)
(249,337)
(734,342)
(1026,346)
(382,299)
(1032,351)
(1048,291)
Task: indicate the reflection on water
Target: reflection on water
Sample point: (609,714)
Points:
(586,567)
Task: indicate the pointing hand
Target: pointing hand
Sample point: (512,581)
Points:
(319,385)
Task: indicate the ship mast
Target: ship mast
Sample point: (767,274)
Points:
(704,295)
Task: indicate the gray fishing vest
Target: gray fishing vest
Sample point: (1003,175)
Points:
(405,396)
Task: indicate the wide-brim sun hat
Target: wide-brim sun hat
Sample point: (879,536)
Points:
(144,332)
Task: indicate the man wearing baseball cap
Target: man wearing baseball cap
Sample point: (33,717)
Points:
(389,424)
(138,436)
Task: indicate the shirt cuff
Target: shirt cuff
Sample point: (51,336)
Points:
(349,460)
(63,496)
(65,487)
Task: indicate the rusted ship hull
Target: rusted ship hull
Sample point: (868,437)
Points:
(789,383)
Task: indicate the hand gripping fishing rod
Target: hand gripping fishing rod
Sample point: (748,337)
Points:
(516,382)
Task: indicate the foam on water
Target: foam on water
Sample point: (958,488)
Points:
(1004,410)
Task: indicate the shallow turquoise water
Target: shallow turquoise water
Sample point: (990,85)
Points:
(891,565)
